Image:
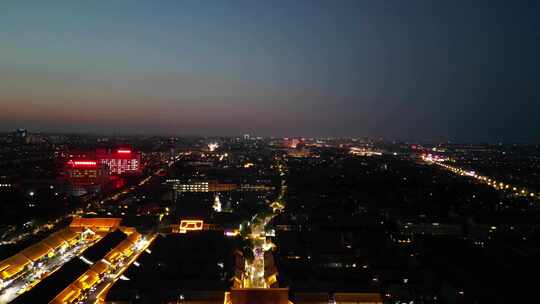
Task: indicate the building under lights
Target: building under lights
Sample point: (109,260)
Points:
(200,186)
(86,176)
(89,171)
(291,143)
(120,161)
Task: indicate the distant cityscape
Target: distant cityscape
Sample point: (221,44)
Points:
(269,152)
(160,219)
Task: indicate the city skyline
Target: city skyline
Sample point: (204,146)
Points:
(269,151)
(415,70)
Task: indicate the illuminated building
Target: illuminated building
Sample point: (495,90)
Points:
(120,161)
(215,186)
(189,187)
(299,153)
(217,204)
(261,187)
(433,158)
(212,147)
(92,273)
(95,224)
(188,225)
(364,151)
(85,175)
(291,143)
(16,265)
(89,171)
(200,186)
(281,295)
(257,295)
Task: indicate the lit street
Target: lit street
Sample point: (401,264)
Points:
(37,273)
(255,275)
(99,290)
(497,185)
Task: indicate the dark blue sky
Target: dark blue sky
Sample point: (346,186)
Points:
(458,70)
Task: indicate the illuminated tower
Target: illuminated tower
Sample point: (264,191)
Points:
(217,204)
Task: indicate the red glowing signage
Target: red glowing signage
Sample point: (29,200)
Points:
(79,163)
(124,151)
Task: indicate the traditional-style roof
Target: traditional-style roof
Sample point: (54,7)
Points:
(68,295)
(96,223)
(68,235)
(37,251)
(55,283)
(13,265)
(55,241)
(99,267)
(86,280)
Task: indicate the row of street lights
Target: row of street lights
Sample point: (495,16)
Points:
(498,185)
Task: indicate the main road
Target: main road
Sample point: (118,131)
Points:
(255,269)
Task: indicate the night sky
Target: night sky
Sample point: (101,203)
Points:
(437,70)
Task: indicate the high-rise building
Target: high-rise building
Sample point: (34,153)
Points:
(90,171)
(20,136)
(21,133)
(120,161)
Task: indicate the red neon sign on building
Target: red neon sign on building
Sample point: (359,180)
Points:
(82,163)
(120,161)
(84,172)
